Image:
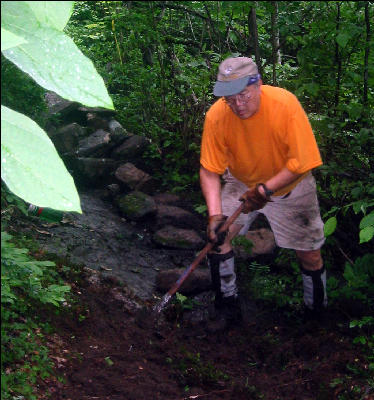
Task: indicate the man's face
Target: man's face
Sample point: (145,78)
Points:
(247,102)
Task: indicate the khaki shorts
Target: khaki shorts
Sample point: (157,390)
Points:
(294,219)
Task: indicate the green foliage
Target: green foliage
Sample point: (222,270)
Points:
(273,289)
(244,243)
(330,226)
(359,281)
(191,369)
(33,39)
(184,302)
(367,228)
(20,93)
(22,274)
(26,285)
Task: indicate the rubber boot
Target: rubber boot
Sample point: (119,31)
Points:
(226,303)
(315,296)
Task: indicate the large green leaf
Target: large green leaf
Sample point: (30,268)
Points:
(50,57)
(31,166)
(9,40)
(18,18)
(54,14)
(24,18)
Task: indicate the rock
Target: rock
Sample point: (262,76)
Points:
(104,112)
(177,238)
(66,138)
(263,243)
(61,109)
(114,189)
(136,205)
(98,144)
(130,149)
(198,281)
(56,104)
(176,216)
(91,171)
(167,198)
(134,178)
(117,129)
(95,122)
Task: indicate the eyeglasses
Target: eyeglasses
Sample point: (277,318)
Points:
(243,98)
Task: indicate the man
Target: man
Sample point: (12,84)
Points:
(259,139)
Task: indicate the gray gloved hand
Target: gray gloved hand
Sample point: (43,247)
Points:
(214,223)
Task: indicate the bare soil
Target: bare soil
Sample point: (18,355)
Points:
(107,348)
(109,345)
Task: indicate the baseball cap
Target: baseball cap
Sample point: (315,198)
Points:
(234,74)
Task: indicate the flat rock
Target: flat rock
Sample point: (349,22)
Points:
(176,216)
(177,238)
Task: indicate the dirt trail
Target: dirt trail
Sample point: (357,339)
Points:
(104,351)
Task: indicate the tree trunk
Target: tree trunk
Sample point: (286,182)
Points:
(337,59)
(252,27)
(276,57)
(366,61)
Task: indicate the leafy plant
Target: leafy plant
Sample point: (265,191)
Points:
(26,285)
(193,369)
(184,302)
(275,289)
(30,165)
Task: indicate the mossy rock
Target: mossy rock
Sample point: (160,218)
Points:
(137,205)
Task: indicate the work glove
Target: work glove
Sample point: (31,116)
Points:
(214,223)
(253,200)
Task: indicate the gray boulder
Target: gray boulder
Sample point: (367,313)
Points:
(66,138)
(177,238)
(91,171)
(134,178)
(103,112)
(56,104)
(117,129)
(131,149)
(167,198)
(96,122)
(98,144)
(95,145)
(176,216)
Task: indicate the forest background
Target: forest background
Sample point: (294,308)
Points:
(159,61)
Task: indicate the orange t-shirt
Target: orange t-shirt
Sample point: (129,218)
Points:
(257,148)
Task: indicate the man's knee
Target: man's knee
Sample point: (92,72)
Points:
(311,260)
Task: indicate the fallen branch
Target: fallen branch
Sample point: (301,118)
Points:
(345,255)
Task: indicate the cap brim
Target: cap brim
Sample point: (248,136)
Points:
(230,88)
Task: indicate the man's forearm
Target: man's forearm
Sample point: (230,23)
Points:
(211,188)
(280,180)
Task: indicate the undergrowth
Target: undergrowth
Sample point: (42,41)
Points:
(28,286)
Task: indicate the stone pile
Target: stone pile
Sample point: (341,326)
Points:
(101,154)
